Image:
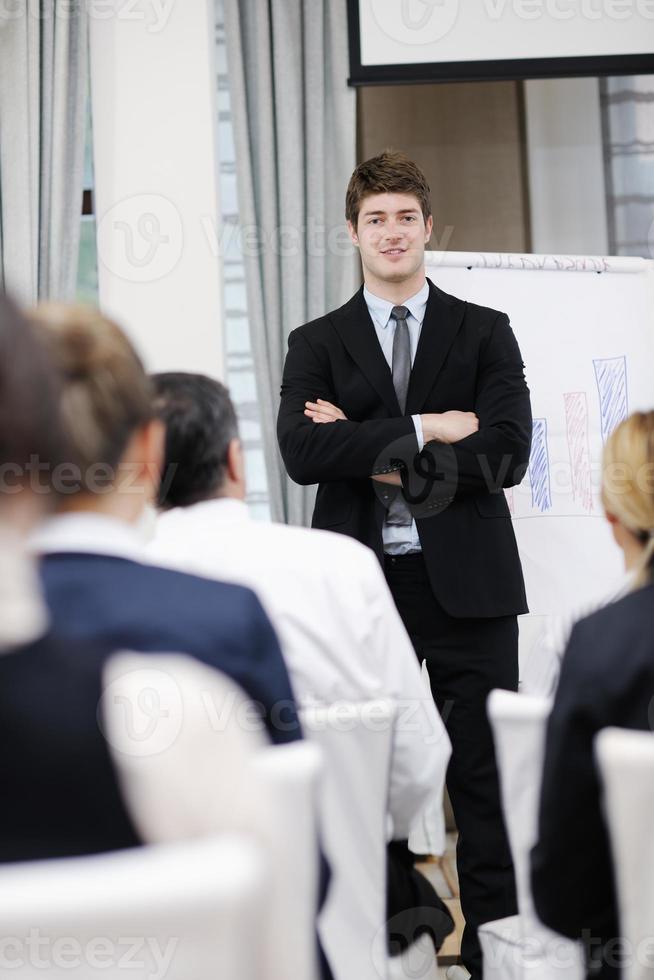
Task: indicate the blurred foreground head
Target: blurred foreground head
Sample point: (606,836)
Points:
(203,457)
(628,491)
(106,408)
(32,442)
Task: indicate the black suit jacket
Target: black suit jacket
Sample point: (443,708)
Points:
(467,359)
(607,679)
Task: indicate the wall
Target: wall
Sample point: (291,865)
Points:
(468,139)
(154,107)
(566,166)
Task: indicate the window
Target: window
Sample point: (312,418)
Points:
(239,362)
(87,265)
(628,117)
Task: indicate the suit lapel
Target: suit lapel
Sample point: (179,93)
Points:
(357,331)
(443,318)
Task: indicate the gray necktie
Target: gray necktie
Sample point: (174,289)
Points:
(398,512)
(401,354)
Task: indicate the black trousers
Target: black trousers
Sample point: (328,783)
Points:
(413,906)
(605,961)
(466,659)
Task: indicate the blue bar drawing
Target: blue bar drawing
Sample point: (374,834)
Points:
(611,378)
(539,467)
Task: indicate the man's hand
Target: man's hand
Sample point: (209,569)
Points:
(449,426)
(392,478)
(322,411)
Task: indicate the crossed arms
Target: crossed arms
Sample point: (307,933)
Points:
(487,449)
(448,427)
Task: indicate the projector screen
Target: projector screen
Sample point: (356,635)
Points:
(455,40)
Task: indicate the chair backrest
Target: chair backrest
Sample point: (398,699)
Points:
(428,834)
(626,764)
(290,775)
(200,765)
(519,722)
(356,743)
(162,912)
(176,731)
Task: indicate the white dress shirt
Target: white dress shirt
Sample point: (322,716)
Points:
(23,614)
(340,633)
(86,532)
(399,540)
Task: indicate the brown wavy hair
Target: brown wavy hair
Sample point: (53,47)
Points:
(388,173)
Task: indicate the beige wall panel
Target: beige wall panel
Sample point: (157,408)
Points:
(468,138)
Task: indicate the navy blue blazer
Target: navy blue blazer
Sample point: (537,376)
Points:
(60,794)
(607,679)
(126,605)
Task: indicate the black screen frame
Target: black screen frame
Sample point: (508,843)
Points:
(485,71)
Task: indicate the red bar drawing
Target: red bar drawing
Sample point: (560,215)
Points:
(576,423)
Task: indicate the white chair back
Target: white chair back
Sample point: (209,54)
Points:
(356,744)
(428,834)
(176,729)
(193,761)
(519,724)
(626,763)
(290,776)
(163,912)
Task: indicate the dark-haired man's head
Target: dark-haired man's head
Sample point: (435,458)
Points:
(389,219)
(203,456)
(388,173)
(32,440)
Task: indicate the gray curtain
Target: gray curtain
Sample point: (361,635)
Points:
(295,140)
(43,90)
(628,123)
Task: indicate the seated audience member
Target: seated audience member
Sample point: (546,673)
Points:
(607,678)
(66,790)
(326,595)
(95,584)
(60,796)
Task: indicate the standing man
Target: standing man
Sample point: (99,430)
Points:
(410,408)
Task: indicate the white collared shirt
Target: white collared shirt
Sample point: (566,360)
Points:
(87,532)
(399,540)
(341,635)
(23,614)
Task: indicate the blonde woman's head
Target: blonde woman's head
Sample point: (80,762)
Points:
(628,490)
(106,398)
